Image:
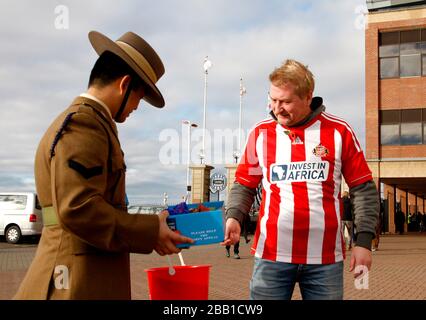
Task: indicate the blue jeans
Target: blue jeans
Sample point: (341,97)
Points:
(276,280)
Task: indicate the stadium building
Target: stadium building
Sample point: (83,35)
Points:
(395,53)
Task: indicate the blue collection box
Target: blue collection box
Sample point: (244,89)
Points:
(204,227)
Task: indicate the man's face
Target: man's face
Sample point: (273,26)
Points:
(287,106)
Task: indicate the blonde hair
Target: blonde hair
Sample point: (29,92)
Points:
(294,72)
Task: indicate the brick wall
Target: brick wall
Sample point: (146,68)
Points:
(406,93)
(372,91)
(418,151)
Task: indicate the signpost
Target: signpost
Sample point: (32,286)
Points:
(217,183)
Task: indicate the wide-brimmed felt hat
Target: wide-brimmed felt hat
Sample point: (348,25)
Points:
(139,55)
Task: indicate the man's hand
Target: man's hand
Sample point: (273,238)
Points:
(360,257)
(167,239)
(232,232)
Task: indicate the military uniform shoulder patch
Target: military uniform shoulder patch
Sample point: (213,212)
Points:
(87,173)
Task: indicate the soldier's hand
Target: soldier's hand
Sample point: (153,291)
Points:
(232,232)
(167,239)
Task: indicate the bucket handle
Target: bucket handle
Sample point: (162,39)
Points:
(172,270)
(182,263)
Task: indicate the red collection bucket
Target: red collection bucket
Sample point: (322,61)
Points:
(188,283)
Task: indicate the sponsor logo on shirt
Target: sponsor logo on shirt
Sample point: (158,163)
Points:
(300,171)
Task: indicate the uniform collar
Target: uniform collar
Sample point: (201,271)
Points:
(92,97)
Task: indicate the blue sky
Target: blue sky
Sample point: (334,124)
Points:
(43,68)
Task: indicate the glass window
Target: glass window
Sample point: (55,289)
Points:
(424,64)
(389,68)
(390,116)
(410,48)
(410,36)
(387,38)
(411,133)
(389,134)
(410,65)
(13,202)
(424,132)
(402,53)
(389,51)
(411,115)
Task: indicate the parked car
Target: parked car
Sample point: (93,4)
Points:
(145,209)
(20,215)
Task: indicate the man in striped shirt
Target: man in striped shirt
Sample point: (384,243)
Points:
(299,156)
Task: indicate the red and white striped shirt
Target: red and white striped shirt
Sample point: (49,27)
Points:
(301,171)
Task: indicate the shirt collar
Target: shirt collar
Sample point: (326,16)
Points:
(89,96)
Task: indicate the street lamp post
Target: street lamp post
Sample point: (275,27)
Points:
(243,90)
(165,198)
(188,185)
(207,65)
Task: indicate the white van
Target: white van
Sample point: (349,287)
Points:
(20,215)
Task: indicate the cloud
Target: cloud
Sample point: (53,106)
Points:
(43,69)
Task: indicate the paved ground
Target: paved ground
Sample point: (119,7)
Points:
(399,270)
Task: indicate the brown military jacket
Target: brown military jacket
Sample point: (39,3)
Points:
(81,173)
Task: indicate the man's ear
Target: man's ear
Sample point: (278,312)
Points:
(309,97)
(124,84)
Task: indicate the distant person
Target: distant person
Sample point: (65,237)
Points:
(80,179)
(236,250)
(410,222)
(245,227)
(300,155)
(399,221)
(379,227)
(419,220)
(347,220)
(376,240)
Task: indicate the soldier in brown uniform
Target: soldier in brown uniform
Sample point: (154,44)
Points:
(80,179)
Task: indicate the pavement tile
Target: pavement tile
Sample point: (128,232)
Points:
(398,270)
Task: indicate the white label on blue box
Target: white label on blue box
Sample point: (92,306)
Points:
(203,227)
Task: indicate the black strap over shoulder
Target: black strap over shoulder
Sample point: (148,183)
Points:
(59,133)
